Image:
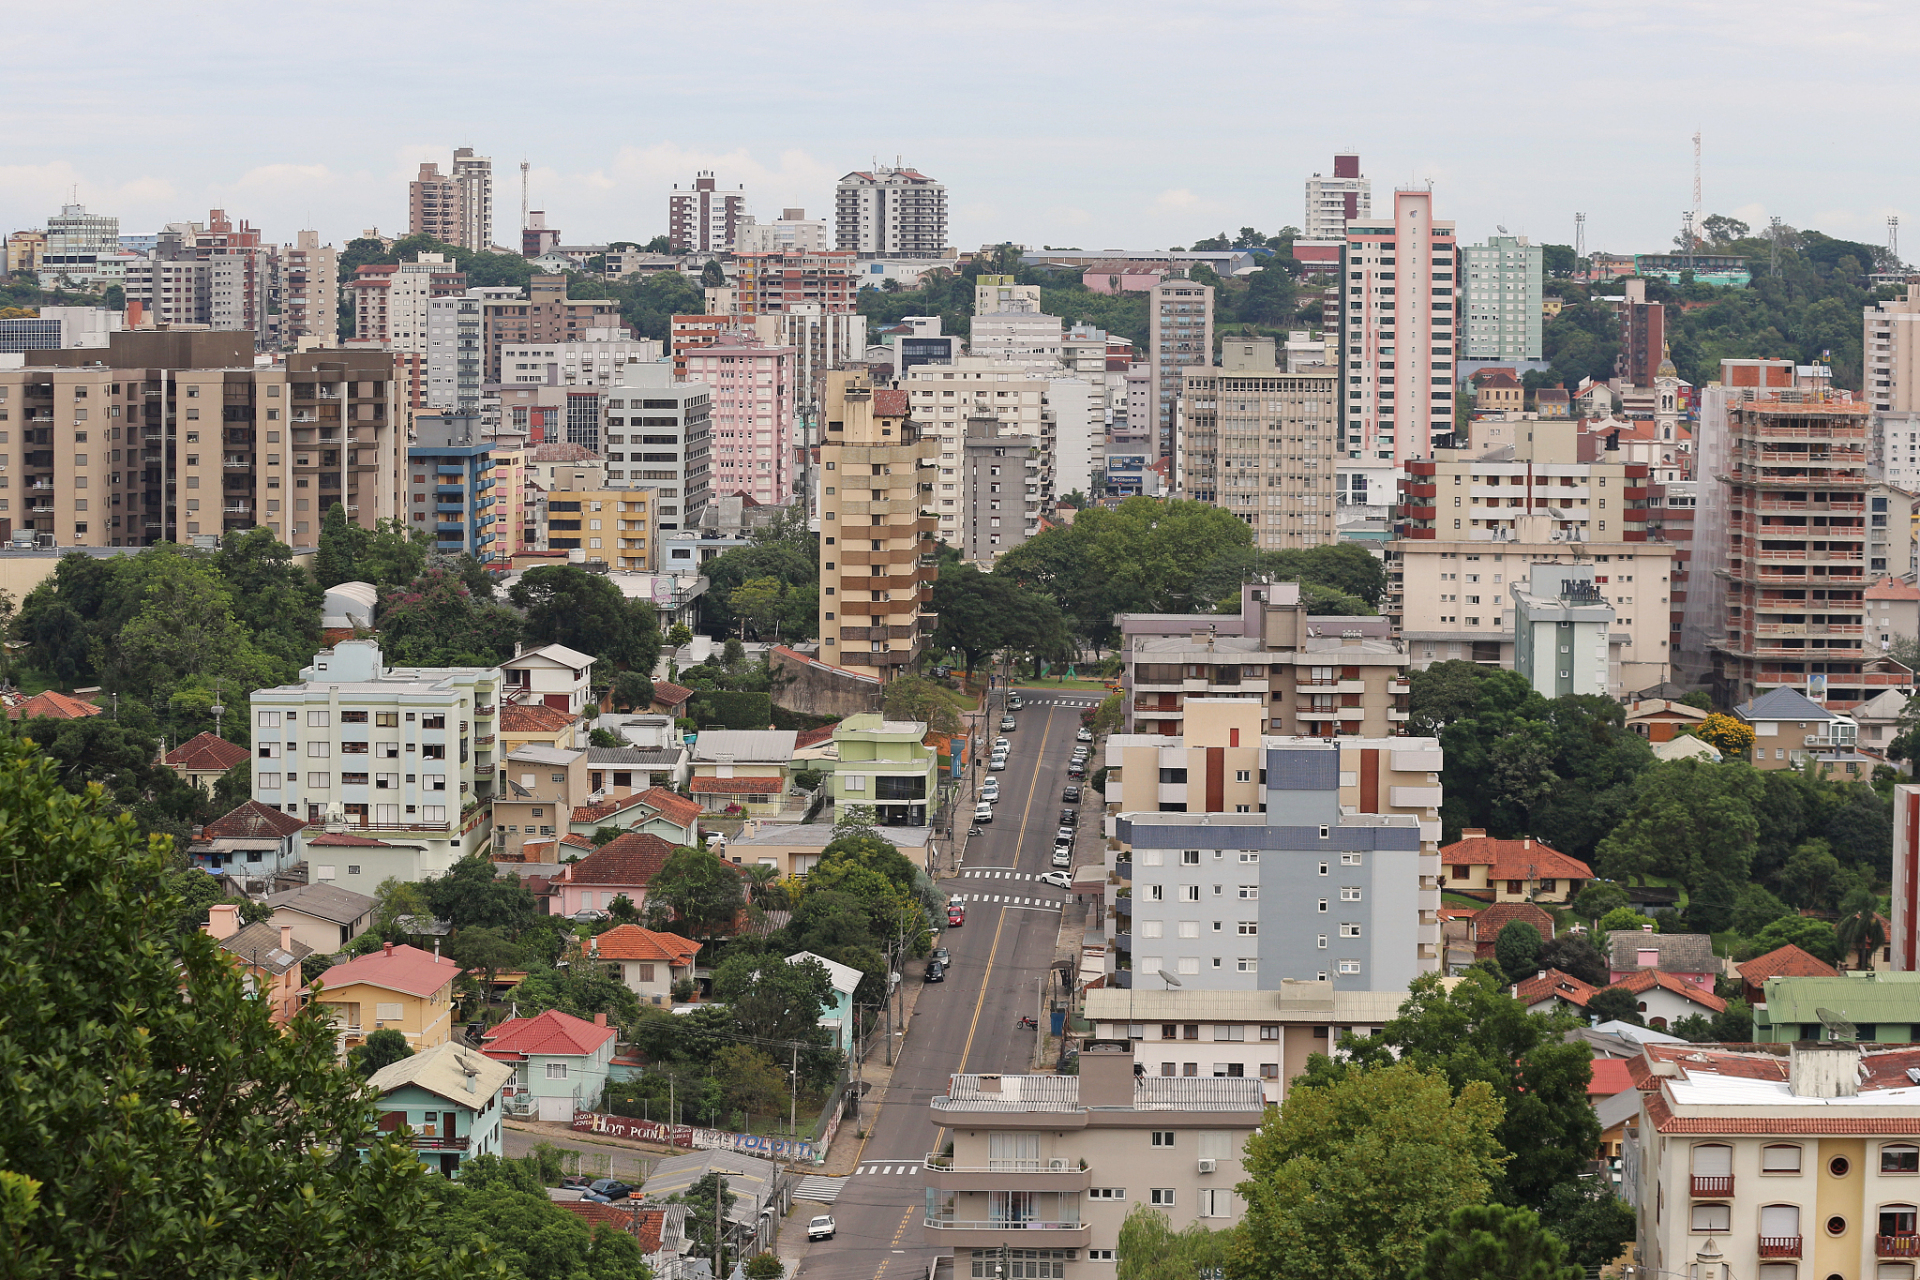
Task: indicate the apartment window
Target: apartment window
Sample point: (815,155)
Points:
(1162,1138)
(1189,893)
(1349,930)
(1269,1071)
(1216,1202)
(1348,893)
(1248,928)
(1899,1158)
(1190,1031)
(1349,966)
(1711,1217)
(1162,1196)
(1229,1033)
(317,781)
(317,720)
(1099,1255)
(268,719)
(1189,857)
(556,1071)
(1243,775)
(1249,891)
(1349,859)
(1781,1157)
(1323,906)
(1269,1031)
(1114,1193)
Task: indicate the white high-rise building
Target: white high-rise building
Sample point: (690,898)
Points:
(791,232)
(702,218)
(77,244)
(1332,201)
(899,213)
(1397,311)
(1502,285)
(473,176)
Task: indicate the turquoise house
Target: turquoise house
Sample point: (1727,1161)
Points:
(836,1015)
(448,1100)
(559,1063)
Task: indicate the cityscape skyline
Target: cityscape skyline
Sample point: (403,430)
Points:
(1028,163)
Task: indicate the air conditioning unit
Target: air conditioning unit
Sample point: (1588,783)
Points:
(1208,1166)
(1813,739)
(1056,1166)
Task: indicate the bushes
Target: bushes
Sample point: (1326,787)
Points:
(731,710)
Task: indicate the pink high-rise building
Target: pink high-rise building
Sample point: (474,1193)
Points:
(1399,298)
(752,416)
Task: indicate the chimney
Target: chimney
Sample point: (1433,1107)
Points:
(1529,843)
(388,947)
(223,919)
(1823,1069)
(1473,833)
(599,1019)
(1646,928)
(286,938)
(1106,1074)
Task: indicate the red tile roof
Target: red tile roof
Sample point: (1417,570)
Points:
(533,717)
(644,1224)
(671,805)
(1647,979)
(1554,983)
(813,737)
(738,786)
(54,706)
(253,821)
(346,840)
(1893,589)
(1489,921)
(1785,962)
(1514,859)
(631,942)
(550,1032)
(1610,1076)
(1665,1121)
(206,753)
(669,694)
(627,860)
(397,968)
(1720,1061)
(889,402)
(578,841)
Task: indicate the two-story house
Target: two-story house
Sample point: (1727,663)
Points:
(884,764)
(1791,730)
(645,961)
(1687,956)
(552,675)
(559,1062)
(622,867)
(1779,1161)
(449,1100)
(655,812)
(323,916)
(836,1014)
(398,987)
(537,724)
(202,759)
(744,768)
(1523,870)
(1044,1168)
(267,954)
(544,785)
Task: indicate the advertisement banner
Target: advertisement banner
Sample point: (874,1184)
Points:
(681,1135)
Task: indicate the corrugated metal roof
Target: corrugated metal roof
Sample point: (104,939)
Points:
(1884,997)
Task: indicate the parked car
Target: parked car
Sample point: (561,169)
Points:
(1070,796)
(936,972)
(1085,734)
(1007,724)
(940,955)
(1058,879)
(820,1228)
(997,763)
(1081,753)
(983,812)
(1001,744)
(1069,817)
(612,1188)
(956,916)
(1063,836)
(990,789)
(1077,769)
(1013,702)
(1062,856)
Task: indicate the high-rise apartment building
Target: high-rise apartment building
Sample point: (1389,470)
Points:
(1643,332)
(876,546)
(701,218)
(1179,334)
(1809,529)
(170,435)
(456,207)
(1398,306)
(614,526)
(594,359)
(892,213)
(547,314)
(1562,626)
(56,328)
(752,413)
(25,251)
(456,345)
(791,232)
(1332,202)
(1000,488)
(1259,442)
(453,491)
(945,396)
(1893,353)
(390,301)
(660,438)
(78,245)
(310,297)
(821,340)
(772,283)
(1502,284)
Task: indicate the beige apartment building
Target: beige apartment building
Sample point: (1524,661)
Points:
(543,786)
(1258,441)
(1893,353)
(944,397)
(175,435)
(1315,677)
(613,525)
(1044,1168)
(310,293)
(876,538)
(1179,334)
(1471,522)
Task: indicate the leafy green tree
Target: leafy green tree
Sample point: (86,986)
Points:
(485,949)
(1575,954)
(1150,1249)
(1595,1224)
(136,1142)
(1731,1025)
(771,999)
(580,989)
(1615,1004)
(473,895)
(1816,937)
(1517,950)
(1808,873)
(712,275)
(750,1080)
(273,597)
(918,698)
(758,603)
(765,1266)
(1621,918)
(1493,1242)
(623,911)
(526,1235)
(632,691)
(566,605)
(437,621)
(1477,1034)
(694,892)
(1859,932)
(1689,818)
(383,1048)
(1754,909)
(1598,898)
(1348,1178)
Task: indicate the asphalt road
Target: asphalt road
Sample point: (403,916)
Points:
(965,1024)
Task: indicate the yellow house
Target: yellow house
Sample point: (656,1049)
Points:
(398,988)
(536,724)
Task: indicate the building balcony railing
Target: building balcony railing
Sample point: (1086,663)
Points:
(1779,1246)
(423,1142)
(1712,1186)
(1033,1233)
(1901,1246)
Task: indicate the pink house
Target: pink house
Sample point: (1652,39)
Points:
(621,866)
(1686,956)
(1123,277)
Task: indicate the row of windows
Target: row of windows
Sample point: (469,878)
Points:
(1715,1159)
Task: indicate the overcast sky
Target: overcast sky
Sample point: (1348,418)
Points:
(1119,123)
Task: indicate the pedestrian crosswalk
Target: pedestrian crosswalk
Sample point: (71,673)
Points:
(819,1188)
(888,1170)
(999,875)
(1078,703)
(1011,900)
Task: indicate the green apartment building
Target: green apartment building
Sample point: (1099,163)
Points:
(1883,1006)
(885,764)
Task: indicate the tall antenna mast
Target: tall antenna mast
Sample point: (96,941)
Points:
(523,195)
(1579,238)
(1893,239)
(1698,208)
(1773,245)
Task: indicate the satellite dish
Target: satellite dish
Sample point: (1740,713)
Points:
(1503,230)
(1838,1028)
(1169,979)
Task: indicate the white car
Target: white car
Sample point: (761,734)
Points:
(1001,745)
(1058,879)
(821,1228)
(983,812)
(1062,856)
(997,763)
(1085,735)
(990,790)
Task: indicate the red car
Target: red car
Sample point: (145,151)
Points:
(956,917)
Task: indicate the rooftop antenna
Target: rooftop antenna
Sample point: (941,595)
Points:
(1893,238)
(1579,236)
(523,195)
(1698,208)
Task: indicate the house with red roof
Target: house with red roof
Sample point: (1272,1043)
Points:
(1552,989)
(536,723)
(251,841)
(743,770)
(657,811)
(559,1062)
(1782,962)
(649,963)
(1523,870)
(201,759)
(1664,998)
(398,988)
(1483,929)
(622,867)
(53,705)
(670,699)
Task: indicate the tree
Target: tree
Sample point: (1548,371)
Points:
(1720,229)
(438,621)
(525,1234)
(1493,1242)
(1859,932)
(750,1079)
(757,603)
(566,605)
(137,1063)
(1347,1179)
(1477,1034)
(1622,918)
(1731,1025)
(1517,950)
(918,698)
(488,950)
(1754,909)
(1575,954)
(1615,1004)
(632,691)
(1733,738)
(472,894)
(383,1048)
(1594,1223)
(1688,818)
(765,1266)
(623,911)
(771,999)
(1808,873)
(1815,937)
(1150,1249)
(695,892)
(712,275)
(1597,899)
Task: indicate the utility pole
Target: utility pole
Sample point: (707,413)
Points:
(1579,239)
(793,1098)
(1773,245)
(719,1198)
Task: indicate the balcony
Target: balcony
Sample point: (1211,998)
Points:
(989,1233)
(1066,1173)
(1713,1186)
(427,1142)
(1907,1246)
(1784,1246)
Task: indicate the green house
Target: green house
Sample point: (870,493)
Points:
(885,764)
(1884,1008)
(447,1100)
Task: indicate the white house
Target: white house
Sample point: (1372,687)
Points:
(552,674)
